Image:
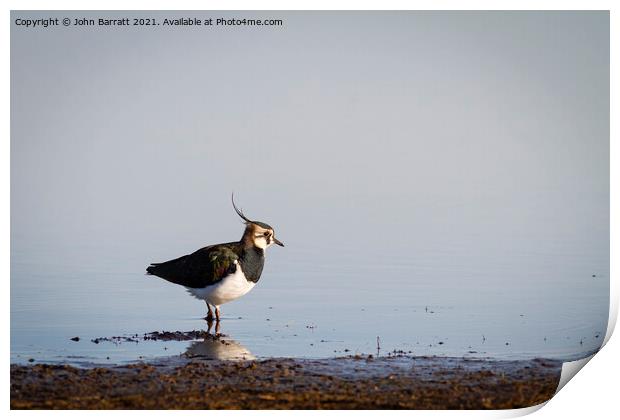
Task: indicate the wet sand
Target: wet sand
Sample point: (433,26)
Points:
(356,382)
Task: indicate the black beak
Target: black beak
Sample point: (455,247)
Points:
(277,242)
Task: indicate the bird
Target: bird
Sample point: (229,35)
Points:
(221,273)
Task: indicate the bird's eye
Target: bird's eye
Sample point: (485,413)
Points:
(267,234)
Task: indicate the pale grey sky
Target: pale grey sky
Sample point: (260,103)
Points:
(489,129)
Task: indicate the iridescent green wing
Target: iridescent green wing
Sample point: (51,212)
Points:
(211,264)
(222,261)
(203,268)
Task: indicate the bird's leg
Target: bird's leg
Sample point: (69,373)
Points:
(217,312)
(209,325)
(210,313)
(217,328)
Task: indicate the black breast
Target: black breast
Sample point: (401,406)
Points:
(252,261)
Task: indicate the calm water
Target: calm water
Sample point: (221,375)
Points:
(311,304)
(437,177)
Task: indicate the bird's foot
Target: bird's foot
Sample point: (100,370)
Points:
(217,328)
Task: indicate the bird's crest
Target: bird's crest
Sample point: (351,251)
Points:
(239,212)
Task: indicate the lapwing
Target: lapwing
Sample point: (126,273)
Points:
(221,273)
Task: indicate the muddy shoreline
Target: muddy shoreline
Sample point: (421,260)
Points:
(356,382)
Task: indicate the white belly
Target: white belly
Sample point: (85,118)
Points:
(230,288)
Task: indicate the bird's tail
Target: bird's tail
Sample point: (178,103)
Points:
(151,269)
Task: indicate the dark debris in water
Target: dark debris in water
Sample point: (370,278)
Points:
(160,336)
(180,335)
(118,339)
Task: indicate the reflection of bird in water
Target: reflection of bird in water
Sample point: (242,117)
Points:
(216,347)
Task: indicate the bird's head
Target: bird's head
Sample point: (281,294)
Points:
(258,234)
